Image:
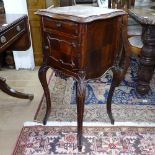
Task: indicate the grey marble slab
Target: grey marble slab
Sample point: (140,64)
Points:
(81,13)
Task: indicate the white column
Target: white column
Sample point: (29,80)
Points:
(23,59)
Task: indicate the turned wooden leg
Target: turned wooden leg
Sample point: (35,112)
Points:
(147,59)
(145,74)
(80,97)
(42,77)
(109,99)
(5,88)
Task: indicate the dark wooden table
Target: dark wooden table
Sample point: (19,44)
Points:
(82,42)
(14,35)
(146,17)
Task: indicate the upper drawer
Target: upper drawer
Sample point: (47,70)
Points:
(11,34)
(61,26)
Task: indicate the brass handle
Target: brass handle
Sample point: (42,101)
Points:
(3,39)
(58,25)
(74,44)
(18,28)
(46,47)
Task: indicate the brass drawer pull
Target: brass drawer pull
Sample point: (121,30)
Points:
(74,44)
(18,28)
(3,39)
(58,25)
(46,47)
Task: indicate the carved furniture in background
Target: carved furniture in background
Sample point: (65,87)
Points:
(145,16)
(142,16)
(14,35)
(82,42)
(6,58)
(2,11)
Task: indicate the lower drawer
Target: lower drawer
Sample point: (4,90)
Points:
(65,52)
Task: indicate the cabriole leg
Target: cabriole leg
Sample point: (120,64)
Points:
(80,98)
(42,77)
(117,78)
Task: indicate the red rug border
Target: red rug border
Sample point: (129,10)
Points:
(18,138)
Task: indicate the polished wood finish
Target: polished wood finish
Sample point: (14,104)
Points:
(81,45)
(14,35)
(34,20)
(145,16)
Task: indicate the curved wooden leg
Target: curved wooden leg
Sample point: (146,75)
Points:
(117,77)
(121,69)
(109,99)
(42,77)
(5,88)
(80,98)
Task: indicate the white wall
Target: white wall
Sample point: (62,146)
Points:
(24,59)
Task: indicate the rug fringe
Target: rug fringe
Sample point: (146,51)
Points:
(56,123)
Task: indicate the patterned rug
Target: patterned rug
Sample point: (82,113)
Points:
(45,140)
(127,105)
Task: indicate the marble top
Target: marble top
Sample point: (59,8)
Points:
(80,13)
(143,15)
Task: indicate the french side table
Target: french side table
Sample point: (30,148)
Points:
(80,42)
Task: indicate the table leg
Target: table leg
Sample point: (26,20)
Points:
(118,75)
(5,88)
(42,77)
(80,98)
(147,60)
(119,72)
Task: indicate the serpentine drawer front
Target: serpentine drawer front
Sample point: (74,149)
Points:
(81,42)
(61,26)
(61,42)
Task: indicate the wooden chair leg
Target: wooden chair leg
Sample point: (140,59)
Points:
(6,89)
